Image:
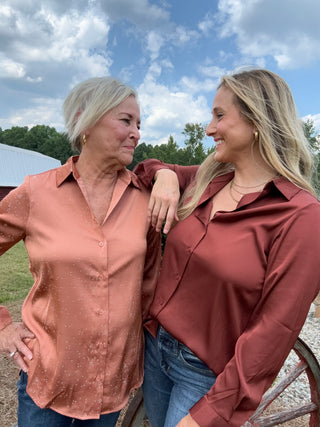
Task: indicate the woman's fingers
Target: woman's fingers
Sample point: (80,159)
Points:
(12,343)
(161,210)
(164,200)
(17,358)
(171,218)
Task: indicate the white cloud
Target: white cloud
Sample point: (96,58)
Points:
(212,71)
(193,85)
(46,49)
(206,82)
(287,30)
(44,52)
(165,111)
(43,111)
(183,35)
(59,7)
(164,40)
(48,39)
(154,43)
(207,24)
(142,13)
(11,68)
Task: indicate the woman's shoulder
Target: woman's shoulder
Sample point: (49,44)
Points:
(305,205)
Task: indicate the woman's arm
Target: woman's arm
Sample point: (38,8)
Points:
(164,200)
(14,211)
(168,182)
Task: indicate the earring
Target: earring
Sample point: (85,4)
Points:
(84,139)
(256,137)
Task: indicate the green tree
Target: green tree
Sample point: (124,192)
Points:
(48,141)
(194,133)
(170,151)
(314,140)
(166,152)
(14,136)
(142,152)
(40,138)
(310,133)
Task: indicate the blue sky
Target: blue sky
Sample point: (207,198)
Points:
(173,52)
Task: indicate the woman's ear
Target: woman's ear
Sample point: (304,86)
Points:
(76,118)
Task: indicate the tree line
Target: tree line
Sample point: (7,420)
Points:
(43,139)
(47,140)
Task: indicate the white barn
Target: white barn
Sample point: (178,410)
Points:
(16,163)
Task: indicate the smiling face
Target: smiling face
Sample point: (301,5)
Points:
(116,134)
(233,134)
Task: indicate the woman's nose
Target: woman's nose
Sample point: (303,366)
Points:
(136,133)
(211,128)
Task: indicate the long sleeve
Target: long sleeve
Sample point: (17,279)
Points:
(291,283)
(151,269)
(147,169)
(14,213)
(14,210)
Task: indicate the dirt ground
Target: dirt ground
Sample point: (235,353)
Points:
(9,374)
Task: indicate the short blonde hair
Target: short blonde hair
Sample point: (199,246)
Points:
(264,100)
(89,101)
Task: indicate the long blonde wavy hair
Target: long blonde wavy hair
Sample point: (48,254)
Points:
(264,100)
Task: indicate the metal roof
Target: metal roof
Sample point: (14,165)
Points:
(16,163)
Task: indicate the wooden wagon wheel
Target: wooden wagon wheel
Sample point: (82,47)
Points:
(308,363)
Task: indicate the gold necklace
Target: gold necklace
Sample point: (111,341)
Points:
(230,191)
(253,186)
(237,191)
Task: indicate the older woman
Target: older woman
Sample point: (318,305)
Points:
(94,263)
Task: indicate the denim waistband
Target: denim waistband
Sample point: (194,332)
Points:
(167,340)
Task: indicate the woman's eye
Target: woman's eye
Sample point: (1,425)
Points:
(127,121)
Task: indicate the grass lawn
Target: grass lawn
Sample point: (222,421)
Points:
(15,277)
(15,283)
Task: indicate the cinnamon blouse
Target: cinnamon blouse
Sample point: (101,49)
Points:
(92,284)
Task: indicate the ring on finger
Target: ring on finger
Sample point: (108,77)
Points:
(13,353)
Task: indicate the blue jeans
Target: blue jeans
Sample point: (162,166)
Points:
(30,415)
(174,380)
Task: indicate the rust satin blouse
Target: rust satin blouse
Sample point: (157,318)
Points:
(237,289)
(91,284)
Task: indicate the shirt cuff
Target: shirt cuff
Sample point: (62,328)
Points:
(5,318)
(147,169)
(206,416)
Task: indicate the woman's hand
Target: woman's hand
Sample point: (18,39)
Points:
(187,421)
(11,343)
(164,200)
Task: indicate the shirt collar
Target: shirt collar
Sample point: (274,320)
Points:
(286,187)
(69,170)
(280,185)
(283,185)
